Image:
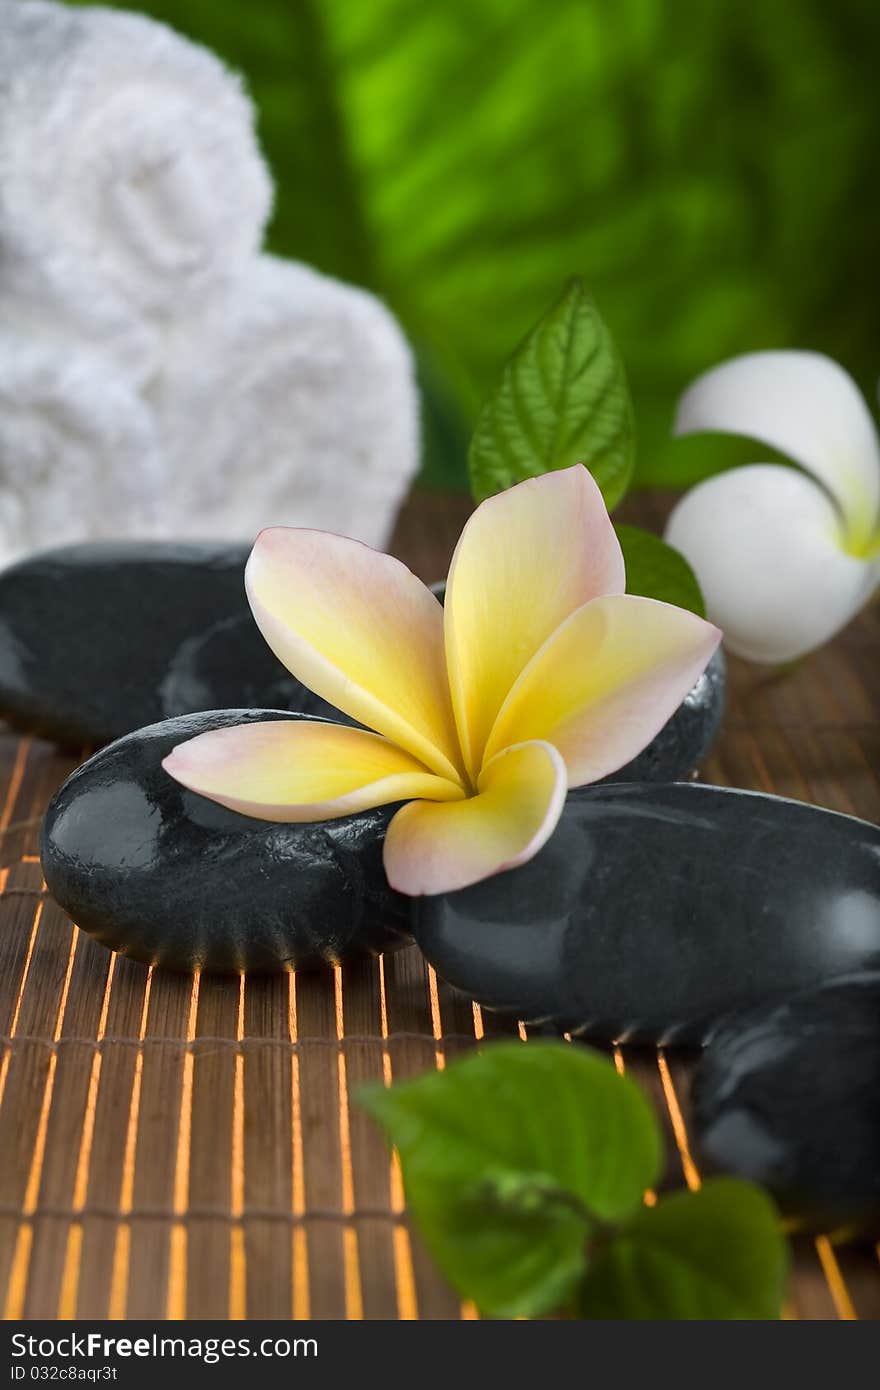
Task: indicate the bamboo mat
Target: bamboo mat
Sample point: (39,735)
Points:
(189,1147)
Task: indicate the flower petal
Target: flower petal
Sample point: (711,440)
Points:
(808,408)
(361,631)
(764,544)
(526,560)
(287,770)
(438,849)
(606,682)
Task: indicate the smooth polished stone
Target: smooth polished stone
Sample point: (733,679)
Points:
(168,877)
(683,742)
(789,1096)
(96,640)
(655,909)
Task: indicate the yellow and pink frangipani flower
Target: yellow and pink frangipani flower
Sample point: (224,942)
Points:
(539,674)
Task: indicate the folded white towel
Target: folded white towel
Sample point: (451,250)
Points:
(48,297)
(157,375)
(127,148)
(289,400)
(78,455)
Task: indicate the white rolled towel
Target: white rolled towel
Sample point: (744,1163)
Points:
(290,400)
(78,451)
(47,297)
(128,149)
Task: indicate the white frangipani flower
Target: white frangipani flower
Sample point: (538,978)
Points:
(785,557)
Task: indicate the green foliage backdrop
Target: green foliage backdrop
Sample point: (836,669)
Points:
(709,167)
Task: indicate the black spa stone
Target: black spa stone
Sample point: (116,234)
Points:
(96,640)
(654,909)
(165,876)
(789,1096)
(686,738)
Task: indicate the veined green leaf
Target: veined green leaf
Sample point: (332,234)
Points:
(562,399)
(512,1158)
(657,570)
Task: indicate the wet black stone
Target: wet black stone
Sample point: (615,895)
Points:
(96,640)
(655,909)
(165,876)
(684,741)
(789,1096)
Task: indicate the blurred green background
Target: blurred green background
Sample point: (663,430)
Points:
(709,167)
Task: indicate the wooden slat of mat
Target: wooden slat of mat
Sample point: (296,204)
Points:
(860,1268)
(265,1260)
(171,1173)
(109,1157)
(85,1011)
(14,752)
(30,1073)
(150,1258)
(215,1281)
(300,1301)
(20,915)
(36,771)
(21,907)
(334,1289)
(385,1259)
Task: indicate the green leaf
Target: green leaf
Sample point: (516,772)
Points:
(715,1253)
(512,1157)
(562,399)
(656,570)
